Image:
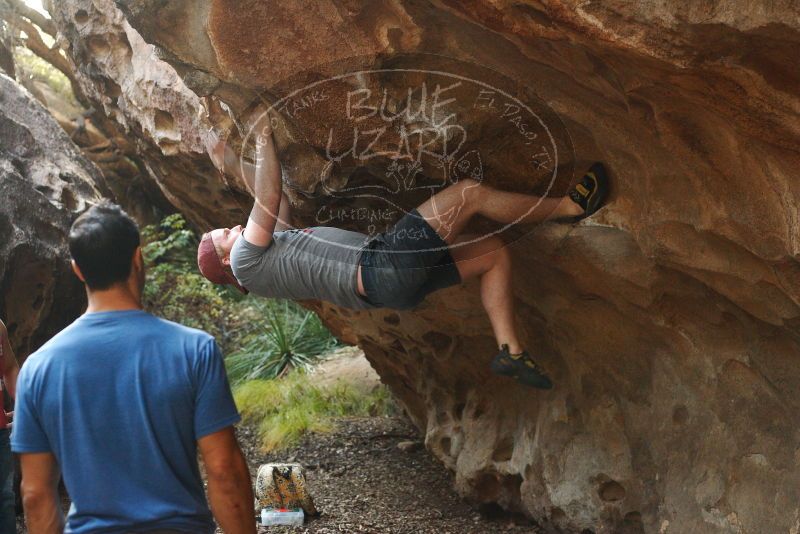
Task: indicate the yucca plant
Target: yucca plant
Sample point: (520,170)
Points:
(295,337)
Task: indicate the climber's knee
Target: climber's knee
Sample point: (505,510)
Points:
(470,191)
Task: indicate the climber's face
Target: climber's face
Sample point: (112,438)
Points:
(223,239)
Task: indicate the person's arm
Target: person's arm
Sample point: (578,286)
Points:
(9,362)
(246,172)
(229,491)
(284,214)
(267,185)
(40,474)
(263,179)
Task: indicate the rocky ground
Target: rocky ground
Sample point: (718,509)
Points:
(362,482)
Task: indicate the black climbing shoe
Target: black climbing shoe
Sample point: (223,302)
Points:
(591,192)
(522,367)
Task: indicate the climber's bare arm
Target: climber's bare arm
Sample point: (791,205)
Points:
(226,160)
(246,172)
(265,179)
(263,216)
(284,214)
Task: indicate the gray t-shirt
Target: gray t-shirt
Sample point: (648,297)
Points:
(310,263)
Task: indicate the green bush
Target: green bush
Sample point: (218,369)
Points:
(286,409)
(171,241)
(295,337)
(31,66)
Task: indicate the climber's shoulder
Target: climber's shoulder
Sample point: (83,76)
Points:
(257,233)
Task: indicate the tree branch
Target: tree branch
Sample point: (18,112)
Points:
(34,16)
(34,43)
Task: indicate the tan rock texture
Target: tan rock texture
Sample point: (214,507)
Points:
(44,183)
(128,83)
(670,320)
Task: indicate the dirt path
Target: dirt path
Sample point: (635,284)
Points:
(363,483)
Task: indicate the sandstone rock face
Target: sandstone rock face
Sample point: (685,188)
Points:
(670,320)
(123,76)
(44,183)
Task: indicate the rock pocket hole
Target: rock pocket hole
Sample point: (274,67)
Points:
(633,517)
(437,340)
(445,444)
(392,319)
(19,165)
(81,16)
(680,414)
(557,514)
(442,417)
(112,89)
(68,200)
(165,123)
(632,523)
(458,410)
(98,46)
(611,491)
(504,450)
(479,410)
(45,190)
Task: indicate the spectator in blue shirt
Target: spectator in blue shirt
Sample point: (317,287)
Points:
(120,402)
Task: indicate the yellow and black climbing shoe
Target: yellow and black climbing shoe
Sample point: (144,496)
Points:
(522,367)
(591,192)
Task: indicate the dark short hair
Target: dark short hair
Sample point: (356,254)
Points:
(102,242)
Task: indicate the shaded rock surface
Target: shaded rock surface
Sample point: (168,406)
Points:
(670,320)
(44,183)
(6,57)
(147,102)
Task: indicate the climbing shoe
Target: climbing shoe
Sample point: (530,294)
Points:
(522,367)
(591,192)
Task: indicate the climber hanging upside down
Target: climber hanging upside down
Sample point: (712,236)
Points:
(394,269)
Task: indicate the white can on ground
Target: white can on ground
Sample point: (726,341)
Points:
(282,517)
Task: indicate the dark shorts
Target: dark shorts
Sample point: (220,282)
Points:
(401,266)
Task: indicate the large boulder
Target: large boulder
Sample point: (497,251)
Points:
(44,183)
(670,320)
(126,81)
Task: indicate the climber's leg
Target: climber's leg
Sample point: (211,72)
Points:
(449,210)
(490,260)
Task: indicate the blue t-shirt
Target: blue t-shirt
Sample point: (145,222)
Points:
(121,398)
